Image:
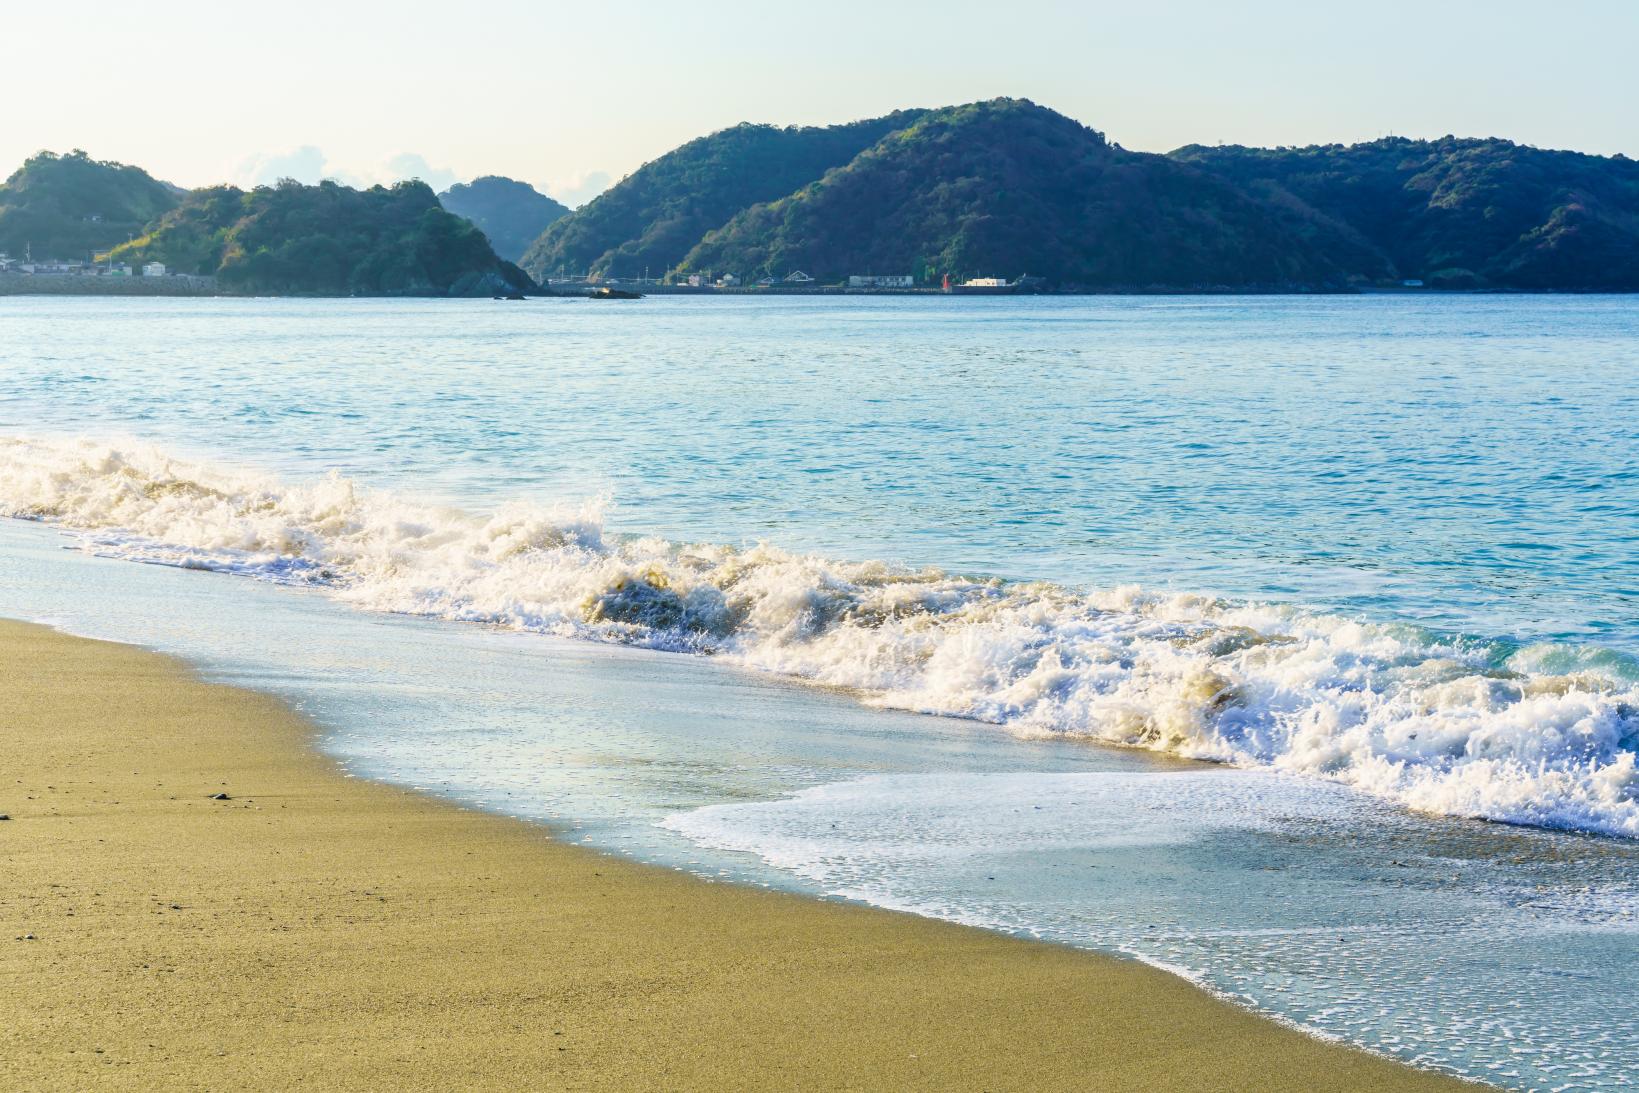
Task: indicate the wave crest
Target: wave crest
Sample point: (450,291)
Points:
(1543,734)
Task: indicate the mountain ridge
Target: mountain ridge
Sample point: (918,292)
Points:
(69,206)
(1007,187)
(511,214)
(327,239)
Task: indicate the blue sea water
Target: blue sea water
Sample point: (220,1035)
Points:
(1470,463)
(1380,552)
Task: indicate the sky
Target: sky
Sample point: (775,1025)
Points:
(572,96)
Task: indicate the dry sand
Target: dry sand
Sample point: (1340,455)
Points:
(317,931)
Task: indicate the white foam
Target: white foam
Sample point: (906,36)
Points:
(1543,735)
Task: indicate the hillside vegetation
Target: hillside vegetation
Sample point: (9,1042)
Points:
(652,218)
(511,214)
(68,207)
(327,239)
(995,189)
(1007,188)
(1454,213)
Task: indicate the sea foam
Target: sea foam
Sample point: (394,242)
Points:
(1537,734)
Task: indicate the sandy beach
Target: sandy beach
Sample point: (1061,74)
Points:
(195,898)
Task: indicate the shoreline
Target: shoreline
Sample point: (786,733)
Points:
(199,287)
(314,927)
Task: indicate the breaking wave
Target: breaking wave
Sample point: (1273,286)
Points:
(1534,734)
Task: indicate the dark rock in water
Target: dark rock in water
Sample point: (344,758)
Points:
(220,797)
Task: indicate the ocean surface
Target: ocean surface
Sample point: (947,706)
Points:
(685,577)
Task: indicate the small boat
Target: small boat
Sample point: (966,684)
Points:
(604,292)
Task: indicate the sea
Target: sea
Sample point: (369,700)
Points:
(1288,643)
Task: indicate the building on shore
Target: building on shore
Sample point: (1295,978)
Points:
(879,280)
(153,269)
(728,280)
(798,277)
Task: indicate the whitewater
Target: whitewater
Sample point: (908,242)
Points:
(1339,579)
(1534,733)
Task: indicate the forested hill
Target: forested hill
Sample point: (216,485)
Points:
(328,240)
(1451,212)
(1006,188)
(651,219)
(511,214)
(67,207)
(999,188)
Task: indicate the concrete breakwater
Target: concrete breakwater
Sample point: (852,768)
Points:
(70,284)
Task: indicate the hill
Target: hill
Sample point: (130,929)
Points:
(327,239)
(1007,187)
(511,214)
(651,218)
(1453,212)
(67,207)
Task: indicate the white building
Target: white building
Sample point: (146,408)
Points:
(153,269)
(985,282)
(877,280)
(727,280)
(797,277)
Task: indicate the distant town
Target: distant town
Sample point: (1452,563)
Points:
(799,281)
(28,275)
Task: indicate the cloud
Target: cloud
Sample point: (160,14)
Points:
(410,165)
(577,190)
(304,164)
(309,164)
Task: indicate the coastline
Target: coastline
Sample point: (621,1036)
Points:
(318,928)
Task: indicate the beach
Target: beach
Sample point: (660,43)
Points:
(313,929)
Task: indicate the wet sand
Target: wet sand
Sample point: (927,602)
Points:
(317,931)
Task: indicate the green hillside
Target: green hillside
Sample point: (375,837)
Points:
(653,217)
(327,239)
(511,214)
(67,207)
(1006,188)
(1453,212)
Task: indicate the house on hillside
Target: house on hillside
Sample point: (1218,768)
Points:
(798,277)
(728,280)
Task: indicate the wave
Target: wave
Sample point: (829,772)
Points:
(1545,735)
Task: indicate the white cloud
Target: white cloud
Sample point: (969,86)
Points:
(577,190)
(309,164)
(304,164)
(410,165)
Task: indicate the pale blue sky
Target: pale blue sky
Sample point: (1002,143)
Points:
(561,94)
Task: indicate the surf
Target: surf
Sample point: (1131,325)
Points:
(1540,734)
